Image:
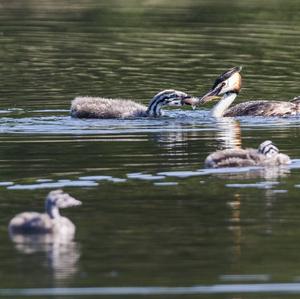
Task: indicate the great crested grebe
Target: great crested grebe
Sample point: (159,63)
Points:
(97,107)
(50,222)
(228,85)
(267,154)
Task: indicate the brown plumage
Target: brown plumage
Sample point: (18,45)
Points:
(266,155)
(227,87)
(265,108)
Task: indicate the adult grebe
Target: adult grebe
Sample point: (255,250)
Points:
(50,222)
(267,154)
(228,85)
(96,107)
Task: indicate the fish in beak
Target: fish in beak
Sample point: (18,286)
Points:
(191,101)
(197,101)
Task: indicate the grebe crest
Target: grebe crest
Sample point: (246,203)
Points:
(227,87)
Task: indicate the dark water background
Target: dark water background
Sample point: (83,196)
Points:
(151,216)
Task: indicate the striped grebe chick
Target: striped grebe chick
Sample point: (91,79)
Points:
(97,107)
(50,222)
(267,154)
(227,87)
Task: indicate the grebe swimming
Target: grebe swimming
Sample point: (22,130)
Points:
(97,107)
(50,222)
(228,85)
(267,154)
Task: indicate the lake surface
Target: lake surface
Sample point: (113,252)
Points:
(153,220)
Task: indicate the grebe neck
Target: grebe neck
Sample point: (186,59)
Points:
(219,109)
(52,210)
(154,108)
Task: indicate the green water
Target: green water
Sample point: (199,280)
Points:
(151,216)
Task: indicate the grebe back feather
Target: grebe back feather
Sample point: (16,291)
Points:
(266,155)
(97,107)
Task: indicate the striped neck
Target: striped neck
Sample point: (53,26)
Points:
(154,108)
(220,108)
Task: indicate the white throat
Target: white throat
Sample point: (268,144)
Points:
(219,109)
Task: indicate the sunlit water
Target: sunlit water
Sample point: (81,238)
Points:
(154,221)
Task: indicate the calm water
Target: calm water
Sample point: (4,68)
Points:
(153,221)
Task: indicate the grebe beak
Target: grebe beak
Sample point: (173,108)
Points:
(230,81)
(196,101)
(211,95)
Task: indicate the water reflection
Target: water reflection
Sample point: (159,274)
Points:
(235,228)
(267,173)
(176,138)
(173,141)
(228,133)
(61,257)
(235,173)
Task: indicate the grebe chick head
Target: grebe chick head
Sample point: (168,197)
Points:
(229,82)
(268,149)
(58,199)
(168,97)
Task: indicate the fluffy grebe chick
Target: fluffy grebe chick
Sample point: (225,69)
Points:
(227,87)
(50,222)
(267,154)
(97,107)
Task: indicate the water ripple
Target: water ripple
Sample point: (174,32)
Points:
(176,120)
(260,288)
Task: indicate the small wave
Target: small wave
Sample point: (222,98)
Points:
(146,177)
(255,288)
(50,185)
(259,185)
(102,178)
(57,121)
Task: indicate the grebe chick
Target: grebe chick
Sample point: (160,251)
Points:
(267,154)
(97,107)
(227,87)
(50,222)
